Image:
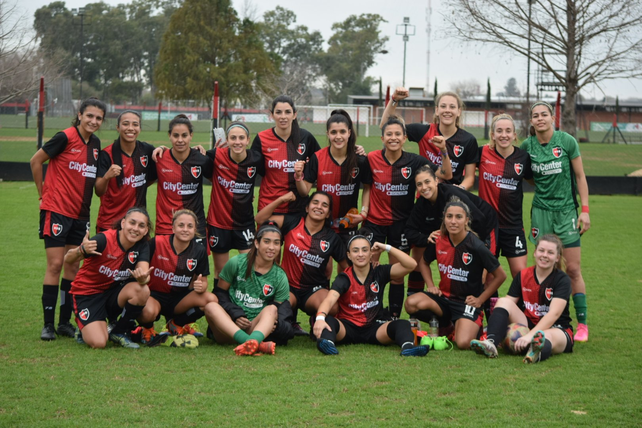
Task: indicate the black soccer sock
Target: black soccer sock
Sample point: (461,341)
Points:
(146,324)
(486,306)
(424,315)
(498,325)
(189,316)
(65,302)
(128,316)
(215,284)
(400,332)
(49,299)
(415,282)
(334,325)
(395,298)
(547,350)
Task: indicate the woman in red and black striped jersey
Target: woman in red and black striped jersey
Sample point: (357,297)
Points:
(308,245)
(180,175)
(112,280)
(392,196)
(538,298)
(179,282)
(125,170)
(461,145)
(281,146)
(462,258)
(230,219)
(358,291)
(502,168)
(65,198)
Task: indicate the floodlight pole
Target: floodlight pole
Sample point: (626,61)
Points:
(528,64)
(81,12)
(406,33)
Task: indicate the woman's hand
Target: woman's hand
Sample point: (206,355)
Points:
(378,248)
(158,153)
(243,323)
(200,149)
(89,247)
(319,326)
(400,93)
(198,284)
(360,150)
(298,169)
(434,290)
(474,301)
(288,197)
(524,342)
(583,222)
(432,239)
(440,142)
(113,171)
(141,275)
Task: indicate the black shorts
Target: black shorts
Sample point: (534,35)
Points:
(491,242)
(346,235)
(223,240)
(97,307)
(168,301)
(393,234)
(303,294)
(457,310)
(567,330)
(365,334)
(512,243)
(58,230)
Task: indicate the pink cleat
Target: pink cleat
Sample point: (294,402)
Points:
(582,333)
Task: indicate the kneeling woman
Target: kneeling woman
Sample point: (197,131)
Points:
(359,293)
(179,282)
(113,276)
(545,290)
(462,258)
(249,286)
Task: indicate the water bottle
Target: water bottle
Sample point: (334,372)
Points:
(345,222)
(414,326)
(434,327)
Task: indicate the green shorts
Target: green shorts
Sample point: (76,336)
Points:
(561,223)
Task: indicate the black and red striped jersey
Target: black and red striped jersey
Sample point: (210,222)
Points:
(306,256)
(172,270)
(181,186)
(461,267)
(462,148)
(336,180)
(361,303)
(500,184)
(535,298)
(129,189)
(393,189)
(71,174)
(279,158)
(233,189)
(99,273)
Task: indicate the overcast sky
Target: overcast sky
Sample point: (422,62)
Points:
(450,60)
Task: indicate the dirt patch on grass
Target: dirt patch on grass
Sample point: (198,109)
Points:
(9,138)
(637,173)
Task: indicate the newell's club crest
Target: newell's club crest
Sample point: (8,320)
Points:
(466,258)
(191,264)
(374,287)
(534,232)
(324,245)
(56,229)
(549,293)
(251,171)
(95,154)
(143,161)
(84,314)
(354,173)
(132,256)
(196,171)
(301,149)
(406,171)
(267,289)
(557,152)
(213,241)
(458,150)
(519,168)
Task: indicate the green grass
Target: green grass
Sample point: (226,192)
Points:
(61,383)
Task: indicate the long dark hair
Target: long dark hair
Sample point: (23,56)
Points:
(354,238)
(268,226)
(89,102)
(456,202)
(116,150)
(116,225)
(180,119)
(295,134)
(342,116)
(394,120)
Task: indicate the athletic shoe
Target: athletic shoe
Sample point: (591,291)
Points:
(298,331)
(147,335)
(427,341)
(66,329)
(247,348)
(441,343)
(78,337)
(415,351)
(123,340)
(327,347)
(110,327)
(174,329)
(180,341)
(266,348)
(484,347)
(582,333)
(192,329)
(48,332)
(535,351)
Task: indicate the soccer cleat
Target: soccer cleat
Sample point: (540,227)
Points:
(123,340)
(78,337)
(66,329)
(327,347)
(427,341)
(248,348)
(415,351)
(192,329)
(48,332)
(147,335)
(266,348)
(298,331)
(535,351)
(484,347)
(180,341)
(582,333)
(174,329)
(441,343)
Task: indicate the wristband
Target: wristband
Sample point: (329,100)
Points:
(82,248)
(298,179)
(444,154)
(40,198)
(388,248)
(585,209)
(394,102)
(320,318)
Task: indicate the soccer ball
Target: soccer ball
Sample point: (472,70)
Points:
(515,331)
(181,341)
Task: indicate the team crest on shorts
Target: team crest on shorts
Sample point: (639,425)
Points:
(518,168)
(56,229)
(301,149)
(458,150)
(355,172)
(213,241)
(557,152)
(534,232)
(251,171)
(267,289)
(132,256)
(324,245)
(374,287)
(143,160)
(191,264)
(369,237)
(95,154)
(406,171)
(466,258)
(549,293)
(84,314)
(196,171)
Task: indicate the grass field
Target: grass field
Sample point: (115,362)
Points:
(61,383)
